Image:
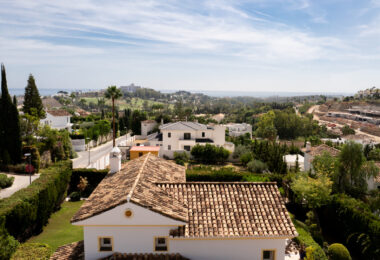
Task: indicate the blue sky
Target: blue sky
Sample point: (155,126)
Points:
(258,45)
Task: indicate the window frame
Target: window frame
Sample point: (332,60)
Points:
(267,249)
(169,134)
(100,243)
(169,147)
(184,148)
(203,134)
(166,240)
(184,136)
(141,154)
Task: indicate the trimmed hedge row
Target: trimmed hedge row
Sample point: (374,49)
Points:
(28,210)
(93,177)
(352,223)
(305,238)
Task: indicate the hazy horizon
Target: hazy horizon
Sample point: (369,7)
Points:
(219,45)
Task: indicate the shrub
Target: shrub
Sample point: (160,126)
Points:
(256,166)
(338,252)
(32,251)
(8,244)
(74,196)
(305,238)
(246,158)
(6,181)
(209,154)
(16,168)
(181,158)
(239,151)
(35,160)
(93,177)
(28,210)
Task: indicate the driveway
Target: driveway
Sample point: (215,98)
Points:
(21,181)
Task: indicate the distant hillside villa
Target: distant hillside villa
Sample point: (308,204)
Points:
(147,210)
(182,136)
(57,119)
(239,129)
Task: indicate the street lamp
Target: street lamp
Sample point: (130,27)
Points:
(89,153)
(30,166)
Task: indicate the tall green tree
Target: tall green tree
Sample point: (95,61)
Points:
(10,137)
(113,93)
(32,98)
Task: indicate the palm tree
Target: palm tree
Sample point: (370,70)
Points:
(113,93)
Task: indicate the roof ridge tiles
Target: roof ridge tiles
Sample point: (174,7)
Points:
(129,196)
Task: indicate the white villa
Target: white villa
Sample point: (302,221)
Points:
(239,129)
(182,136)
(291,161)
(57,119)
(147,210)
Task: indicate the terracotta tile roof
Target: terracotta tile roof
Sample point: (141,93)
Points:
(149,121)
(136,180)
(320,149)
(125,256)
(144,148)
(59,113)
(70,251)
(234,209)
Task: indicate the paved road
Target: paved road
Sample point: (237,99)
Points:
(95,153)
(21,181)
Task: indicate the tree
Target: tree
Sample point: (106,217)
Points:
(10,137)
(32,98)
(113,93)
(265,126)
(346,130)
(325,164)
(315,192)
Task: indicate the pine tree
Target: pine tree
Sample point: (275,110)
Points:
(10,137)
(32,99)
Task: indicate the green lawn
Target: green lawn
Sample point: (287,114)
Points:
(59,231)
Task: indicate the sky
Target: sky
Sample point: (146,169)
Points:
(258,45)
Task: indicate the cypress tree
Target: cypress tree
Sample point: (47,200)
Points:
(32,99)
(10,137)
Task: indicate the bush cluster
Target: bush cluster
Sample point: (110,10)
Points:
(28,210)
(256,166)
(338,252)
(304,238)
(353,223)
(32,251)
(93,176)
(181,158)
(6,181)
(209,154)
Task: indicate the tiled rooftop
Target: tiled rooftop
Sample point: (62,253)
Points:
(136,179)
(70,251)
(60,112)
(234,209)
(222,209)
(320,149)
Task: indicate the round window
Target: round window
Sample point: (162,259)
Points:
(128,213)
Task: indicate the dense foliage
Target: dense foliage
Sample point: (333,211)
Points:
(209,154)
(8,244)
(32,251)
(28,210)
(181,158)
(93,177)
(32,99)
(338,252)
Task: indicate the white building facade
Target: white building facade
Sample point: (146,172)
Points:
(239,129)
(57,119)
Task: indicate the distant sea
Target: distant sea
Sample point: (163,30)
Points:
(259,94)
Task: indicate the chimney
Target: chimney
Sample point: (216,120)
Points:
(162,121)
(308,147)
(115,160)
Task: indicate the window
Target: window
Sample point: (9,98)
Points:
(105,243)
(203,134)
(169,134)
(268,255)
(160,244)
(140,154)
(187,148)
(169,147)
(187,136)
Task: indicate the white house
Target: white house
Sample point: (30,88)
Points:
(311,152)
(291,161)
(149,208)
(57,119)
(239,129)
(182,136)
(147,126)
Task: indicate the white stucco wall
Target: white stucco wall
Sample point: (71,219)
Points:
(57,122)
(227,249)
(147,127)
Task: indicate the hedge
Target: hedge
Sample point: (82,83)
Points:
(352,223)
(304,237)
(29,209)
(93,176)
(5,181)
(223,174)
(8,244)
